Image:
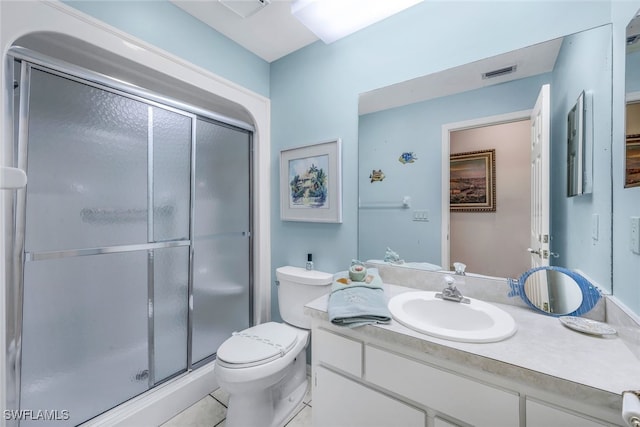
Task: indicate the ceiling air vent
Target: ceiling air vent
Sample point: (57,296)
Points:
(499,72)
(245,8)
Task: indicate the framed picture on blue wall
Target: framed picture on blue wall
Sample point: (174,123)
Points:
(311,182)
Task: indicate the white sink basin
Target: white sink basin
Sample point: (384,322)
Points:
(477,321)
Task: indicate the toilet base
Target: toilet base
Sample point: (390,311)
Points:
(276,404)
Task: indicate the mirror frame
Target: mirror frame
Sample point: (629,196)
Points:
(590,294)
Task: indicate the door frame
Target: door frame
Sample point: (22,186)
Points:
(447,128)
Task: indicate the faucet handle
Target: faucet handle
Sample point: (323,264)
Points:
(450,281)
(459,268)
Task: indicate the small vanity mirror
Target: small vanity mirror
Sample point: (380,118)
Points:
(555,291)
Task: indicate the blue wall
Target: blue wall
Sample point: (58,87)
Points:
(384,135)
(632,68)
(583,64)
(165,25)
(314,91)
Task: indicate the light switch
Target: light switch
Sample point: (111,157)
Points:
(635,234)
(421,215)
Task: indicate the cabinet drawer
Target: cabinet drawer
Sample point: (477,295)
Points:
(459,397)
(337,351)
(543,415)
(338,401)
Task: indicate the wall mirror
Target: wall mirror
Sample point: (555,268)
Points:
(555,291)
(407,132)
(632,92)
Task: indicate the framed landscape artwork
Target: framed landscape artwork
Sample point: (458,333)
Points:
(311,183)
(632,167)
(472,181)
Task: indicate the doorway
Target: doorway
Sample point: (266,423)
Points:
(492,243)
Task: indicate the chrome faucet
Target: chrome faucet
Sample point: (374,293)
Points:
(459,268)
(451,293)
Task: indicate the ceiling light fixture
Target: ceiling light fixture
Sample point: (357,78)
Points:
(331,20)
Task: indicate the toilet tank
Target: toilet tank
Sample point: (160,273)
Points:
(297,287)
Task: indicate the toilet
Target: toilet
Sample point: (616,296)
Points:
(264,367)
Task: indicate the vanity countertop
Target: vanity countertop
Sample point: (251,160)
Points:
(543,353)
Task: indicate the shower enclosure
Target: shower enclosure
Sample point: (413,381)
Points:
(132,247)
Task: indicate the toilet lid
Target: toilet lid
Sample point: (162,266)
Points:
(258,344)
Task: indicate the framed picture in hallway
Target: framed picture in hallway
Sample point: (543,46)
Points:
(472,181)
(311,182)
(632,161)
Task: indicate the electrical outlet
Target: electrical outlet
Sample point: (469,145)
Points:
(635,234)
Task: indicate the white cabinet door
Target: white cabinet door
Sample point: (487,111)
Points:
(337,351)
(439,422)
(541,415)
(340,402)
(459,397)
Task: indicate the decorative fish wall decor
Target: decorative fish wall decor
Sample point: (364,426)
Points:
(407,157)
(376,175)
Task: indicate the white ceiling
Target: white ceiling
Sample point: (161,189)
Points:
(270,33)
(529,61)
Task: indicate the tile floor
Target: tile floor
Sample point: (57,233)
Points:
(212,410)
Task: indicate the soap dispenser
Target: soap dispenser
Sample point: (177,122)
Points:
(309,265)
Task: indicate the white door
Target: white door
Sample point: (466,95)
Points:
(540,125)
(537,289)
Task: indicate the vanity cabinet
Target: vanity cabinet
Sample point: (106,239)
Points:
(362,382)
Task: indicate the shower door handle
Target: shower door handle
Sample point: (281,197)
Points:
(12,178)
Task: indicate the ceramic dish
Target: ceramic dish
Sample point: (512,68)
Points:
(588,326)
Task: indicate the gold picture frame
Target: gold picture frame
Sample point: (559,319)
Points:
(632,161)
(472,181)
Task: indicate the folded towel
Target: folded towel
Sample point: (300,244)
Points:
(358,303)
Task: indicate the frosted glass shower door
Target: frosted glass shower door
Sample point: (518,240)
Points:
(87,167)
(87,275)
(171,144)
(221,239)
(84,334)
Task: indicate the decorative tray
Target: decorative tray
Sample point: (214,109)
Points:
(588,326)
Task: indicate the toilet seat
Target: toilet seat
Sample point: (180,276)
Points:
(257,345)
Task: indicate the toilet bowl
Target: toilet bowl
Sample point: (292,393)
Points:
(264,367)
